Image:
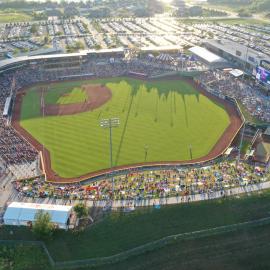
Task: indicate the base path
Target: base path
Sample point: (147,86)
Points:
(218,149)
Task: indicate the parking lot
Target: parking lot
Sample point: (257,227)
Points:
(82,33)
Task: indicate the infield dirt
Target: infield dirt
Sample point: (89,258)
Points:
(97,96)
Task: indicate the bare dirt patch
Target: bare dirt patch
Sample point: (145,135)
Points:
(97,96)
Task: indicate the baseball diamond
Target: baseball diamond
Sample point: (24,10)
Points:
(161,121)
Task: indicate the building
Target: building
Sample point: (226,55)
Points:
(23,214)
(210,59)
(58,61)
(240,55)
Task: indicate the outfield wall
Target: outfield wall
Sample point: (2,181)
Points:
(189,74)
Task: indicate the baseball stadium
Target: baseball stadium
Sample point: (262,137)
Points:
(98,124)
(114,131)
(98,116)
(157,118)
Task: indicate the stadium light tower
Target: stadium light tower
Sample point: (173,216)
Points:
(146,147)
(190,151)
(110,124)
(241,143)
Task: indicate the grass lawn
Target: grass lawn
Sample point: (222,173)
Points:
(23,257)
(246,249)
(119,232)
(168,116)
(7,17)
(241,250)
(77,95)
(245,146)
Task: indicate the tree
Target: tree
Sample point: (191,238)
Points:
(100,12)
(71,11)
(195,11)
(244,13)
(25,50)
(16,51)
(98,47)
(43,227)
(34,28)
(47,39)
(141,12)
(80,210)
(79,45)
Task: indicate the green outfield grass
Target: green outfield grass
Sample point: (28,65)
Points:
(168,116)
(77,95)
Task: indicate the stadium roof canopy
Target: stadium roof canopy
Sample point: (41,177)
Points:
(207,56)
(7,106)
(19,213)
(19,60)
(236,73)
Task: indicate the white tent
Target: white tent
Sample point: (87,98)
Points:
(236,73)
(19,213)
(206,55)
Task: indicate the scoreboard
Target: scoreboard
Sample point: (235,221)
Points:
(263,72)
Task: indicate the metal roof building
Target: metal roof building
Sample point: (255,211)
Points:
(7,106)
(208,57)
(239,54)
(21,60)
(20,213)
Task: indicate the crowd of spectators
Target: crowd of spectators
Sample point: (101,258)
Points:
(151,184)
(13,148)
(255,101)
